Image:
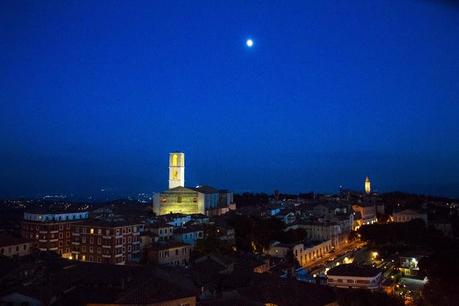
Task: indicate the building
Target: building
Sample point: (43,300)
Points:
(286,216)
(306,253)
(354,276)
(179,200)
(189,200)
(52,230)
(60,282)
(164,231)
(106,242)
(175,219)
(367,185)
(278,249)
(12,246)
(322,231)
(176,169)
(367,212)
(170,253)
(407,215)
(189,234)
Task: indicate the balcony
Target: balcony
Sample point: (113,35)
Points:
(75,243)
(106,256)
(106,246)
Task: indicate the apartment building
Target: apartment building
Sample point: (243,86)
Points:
(52,230)
(106,241)
(170,253)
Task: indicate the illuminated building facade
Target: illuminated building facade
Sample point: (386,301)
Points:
(178,200)
(176,169)
(367,185)
(189,200)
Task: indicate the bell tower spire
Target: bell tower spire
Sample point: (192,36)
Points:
(176,169)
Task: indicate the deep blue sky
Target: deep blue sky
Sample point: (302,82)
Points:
(94,94)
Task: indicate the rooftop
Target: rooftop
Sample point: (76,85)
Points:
(6,240)
(108,223)
(165,245)
(354,270)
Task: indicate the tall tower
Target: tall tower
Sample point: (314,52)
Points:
(176,169)
(367,185)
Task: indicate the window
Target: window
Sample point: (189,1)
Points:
(91,231)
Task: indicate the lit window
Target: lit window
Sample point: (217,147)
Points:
(91,231)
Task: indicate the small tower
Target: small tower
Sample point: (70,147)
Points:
(176,169)
(367,185)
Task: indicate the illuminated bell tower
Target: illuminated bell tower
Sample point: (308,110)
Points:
(367,185)
(176,169)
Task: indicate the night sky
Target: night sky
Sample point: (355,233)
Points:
(95,94)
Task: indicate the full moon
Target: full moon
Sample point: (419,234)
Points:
(249,43)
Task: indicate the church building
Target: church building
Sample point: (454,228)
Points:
(189,200)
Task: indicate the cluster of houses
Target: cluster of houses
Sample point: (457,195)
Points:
(168,240)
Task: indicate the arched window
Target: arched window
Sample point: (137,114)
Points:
(174,160)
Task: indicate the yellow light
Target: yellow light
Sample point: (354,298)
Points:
(374,254)
(91,231)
